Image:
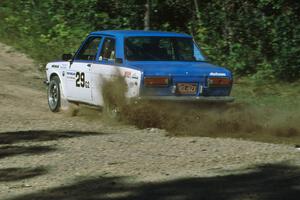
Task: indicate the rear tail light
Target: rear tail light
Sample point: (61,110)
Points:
(219,82)
(156,81)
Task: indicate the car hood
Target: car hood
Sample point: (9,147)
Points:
(167,68)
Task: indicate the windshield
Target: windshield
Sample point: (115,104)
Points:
(162,49)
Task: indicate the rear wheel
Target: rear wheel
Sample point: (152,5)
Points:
(54,97)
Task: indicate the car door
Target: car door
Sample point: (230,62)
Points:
(78,75)
(104,69)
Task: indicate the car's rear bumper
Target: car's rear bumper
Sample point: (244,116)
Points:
(212,99)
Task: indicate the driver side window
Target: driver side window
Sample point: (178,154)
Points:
(90,49)
(108,51)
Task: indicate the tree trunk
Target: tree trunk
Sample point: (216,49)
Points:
(197,10)
(147,15)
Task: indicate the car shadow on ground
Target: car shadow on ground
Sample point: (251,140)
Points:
(267,182)
(40,135)
(15,174)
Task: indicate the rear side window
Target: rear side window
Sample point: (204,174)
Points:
(108,51)
(90,49)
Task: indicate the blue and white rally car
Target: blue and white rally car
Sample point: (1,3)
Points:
(155,65)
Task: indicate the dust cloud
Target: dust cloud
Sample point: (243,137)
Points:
(214,120)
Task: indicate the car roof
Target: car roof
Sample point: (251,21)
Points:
(128,33)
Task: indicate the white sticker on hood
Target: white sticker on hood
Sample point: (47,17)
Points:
(217,74)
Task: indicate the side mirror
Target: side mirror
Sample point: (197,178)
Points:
(67,57)
(119,60)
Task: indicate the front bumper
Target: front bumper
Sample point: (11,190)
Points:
(211,99)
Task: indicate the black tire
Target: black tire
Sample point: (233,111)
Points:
(54,100)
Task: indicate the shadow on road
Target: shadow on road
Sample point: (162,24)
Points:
(265,182)
(8,151)
(16,174)
(7,140)
(32,136)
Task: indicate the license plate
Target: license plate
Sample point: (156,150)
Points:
(186,88)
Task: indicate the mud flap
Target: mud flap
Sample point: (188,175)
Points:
(64,103)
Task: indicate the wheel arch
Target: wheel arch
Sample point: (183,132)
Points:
(53,75)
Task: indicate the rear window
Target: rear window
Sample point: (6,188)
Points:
(162,49)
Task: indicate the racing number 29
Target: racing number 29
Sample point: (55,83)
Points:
(80,80)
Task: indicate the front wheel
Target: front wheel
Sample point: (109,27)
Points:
(54,94)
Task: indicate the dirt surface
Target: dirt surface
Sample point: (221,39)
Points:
(59,156)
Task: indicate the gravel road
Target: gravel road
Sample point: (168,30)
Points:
(60,156)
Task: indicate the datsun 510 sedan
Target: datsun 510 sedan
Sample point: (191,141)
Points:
(155,65)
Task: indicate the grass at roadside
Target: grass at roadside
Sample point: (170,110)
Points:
(276,95)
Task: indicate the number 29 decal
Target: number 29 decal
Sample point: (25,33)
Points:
(80,80)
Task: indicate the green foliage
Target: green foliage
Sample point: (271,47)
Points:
(46,29)
(258,38)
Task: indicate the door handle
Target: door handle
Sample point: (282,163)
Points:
(89,65)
